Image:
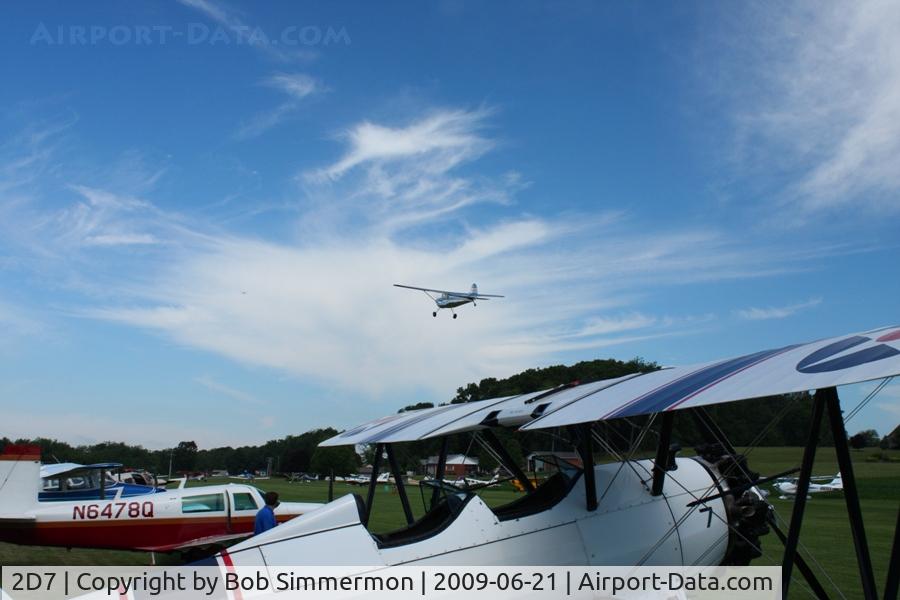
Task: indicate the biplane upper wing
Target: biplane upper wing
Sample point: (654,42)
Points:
(800,367)
(407,426)
(519,410)
(825,363)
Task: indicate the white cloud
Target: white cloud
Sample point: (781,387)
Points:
(298,85)
(439,142)
(776,312)
(247,34)
(321,307)
(819,101)
(235,394)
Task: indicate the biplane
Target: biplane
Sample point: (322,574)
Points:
(178,519)
(451,300)
(669,510)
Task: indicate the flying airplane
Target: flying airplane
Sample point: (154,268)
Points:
(451,300)
(788,486)
(179,519)
(669,510)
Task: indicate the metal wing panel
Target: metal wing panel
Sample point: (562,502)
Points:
(825,363)
(407,426)
(424,289)
(518,410)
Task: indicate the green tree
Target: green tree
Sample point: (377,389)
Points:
(342,460)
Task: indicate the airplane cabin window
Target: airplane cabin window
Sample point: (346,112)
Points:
(203,503)
(244,501)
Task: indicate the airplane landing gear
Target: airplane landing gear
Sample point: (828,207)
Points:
(454,315)
(434,314)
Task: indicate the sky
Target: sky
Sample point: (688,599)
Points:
(204,204)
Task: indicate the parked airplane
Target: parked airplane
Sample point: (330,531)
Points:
(472,482)
(788,487)
(176,519)
(451,300)
(702,510)
(72,481)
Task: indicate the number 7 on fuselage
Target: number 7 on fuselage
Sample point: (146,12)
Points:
(451,300)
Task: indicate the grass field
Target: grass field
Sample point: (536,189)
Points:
(825,535)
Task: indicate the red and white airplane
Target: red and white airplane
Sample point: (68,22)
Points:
(178,519)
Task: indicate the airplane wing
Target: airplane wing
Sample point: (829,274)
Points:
(60,469)
(409,426)
(825,363)
(422,289)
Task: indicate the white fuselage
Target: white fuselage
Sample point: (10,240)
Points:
(629,527)
(452,300)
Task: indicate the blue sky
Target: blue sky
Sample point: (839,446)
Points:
(203,205)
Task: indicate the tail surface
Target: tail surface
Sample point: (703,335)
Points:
(20,478)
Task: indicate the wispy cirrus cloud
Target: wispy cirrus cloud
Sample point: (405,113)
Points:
(217,386)
(321,307)
(248,34)
(776,312)
(817,101)
(297,86)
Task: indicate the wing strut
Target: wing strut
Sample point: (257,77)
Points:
(491,439)
(582,435)
(439,471)
(661,464)
(809,455)
(893,576)
(398,479)
(827,398)
(851,495)
(373,482)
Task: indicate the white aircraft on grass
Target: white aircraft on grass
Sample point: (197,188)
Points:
(451,300)
(788,487)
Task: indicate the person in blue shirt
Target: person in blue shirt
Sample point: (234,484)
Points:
(265,518)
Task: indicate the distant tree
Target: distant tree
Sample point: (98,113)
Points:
(184,457)
(864,439)
(416,406)
(340,459)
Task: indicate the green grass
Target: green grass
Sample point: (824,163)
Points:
(825,533)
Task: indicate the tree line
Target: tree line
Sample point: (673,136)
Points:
(773,421)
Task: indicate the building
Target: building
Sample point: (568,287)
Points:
(536,462)
(458,465)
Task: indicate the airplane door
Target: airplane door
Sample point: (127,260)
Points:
(243,506)
(228,506)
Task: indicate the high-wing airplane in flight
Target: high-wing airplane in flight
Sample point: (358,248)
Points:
(451,300)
